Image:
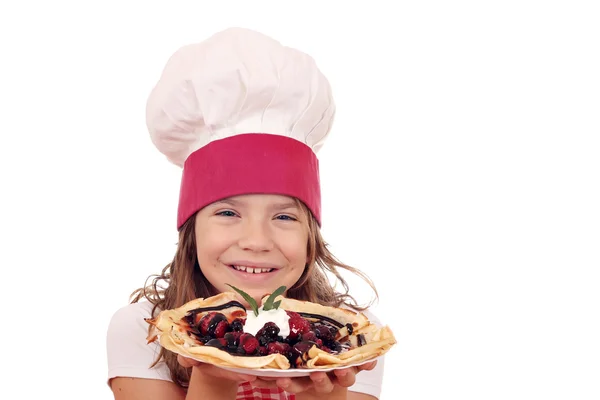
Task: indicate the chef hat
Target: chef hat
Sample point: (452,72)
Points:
(241,114)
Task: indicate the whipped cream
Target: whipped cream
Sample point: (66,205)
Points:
(279,317)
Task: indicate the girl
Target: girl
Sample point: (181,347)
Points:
(244,117)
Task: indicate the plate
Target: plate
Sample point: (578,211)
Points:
(289,373)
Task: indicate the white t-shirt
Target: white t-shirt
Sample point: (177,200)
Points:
(129,355)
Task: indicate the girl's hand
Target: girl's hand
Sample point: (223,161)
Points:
(211,372)
(317,382)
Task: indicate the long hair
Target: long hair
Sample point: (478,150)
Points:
(185,282)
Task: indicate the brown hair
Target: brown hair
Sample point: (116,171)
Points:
(186,282)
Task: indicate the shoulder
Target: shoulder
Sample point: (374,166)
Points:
(131,317)
(128,352)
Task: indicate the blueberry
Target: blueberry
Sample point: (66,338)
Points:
(237,325)
(218,343)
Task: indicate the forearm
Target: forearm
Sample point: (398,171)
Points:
(338,393)
(208,387)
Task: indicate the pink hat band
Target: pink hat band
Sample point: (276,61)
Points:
(247,164)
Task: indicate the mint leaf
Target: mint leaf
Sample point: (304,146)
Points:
(269,303)
(246,297)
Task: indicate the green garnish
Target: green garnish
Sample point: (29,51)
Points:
(269,305)
(246,297)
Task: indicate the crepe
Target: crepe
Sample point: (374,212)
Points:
(189,330)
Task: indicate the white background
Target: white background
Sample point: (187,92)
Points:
(462,174)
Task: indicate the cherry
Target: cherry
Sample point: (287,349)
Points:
(208,323)
(221,328)
(298,325)
(249,343)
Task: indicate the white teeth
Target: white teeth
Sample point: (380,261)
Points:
(251,270)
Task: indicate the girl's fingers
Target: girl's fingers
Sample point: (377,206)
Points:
(345,377)
(367,366)
(261,383)
(321,382)
(295,385)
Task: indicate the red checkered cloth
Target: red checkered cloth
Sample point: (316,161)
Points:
(248,392)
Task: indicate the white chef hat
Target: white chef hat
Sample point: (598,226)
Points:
(241,113)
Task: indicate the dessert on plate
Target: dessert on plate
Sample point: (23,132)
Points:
(281,334)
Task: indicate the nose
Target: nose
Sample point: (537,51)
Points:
(256,236)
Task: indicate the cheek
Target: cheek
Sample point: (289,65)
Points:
(295,250)
(210,247)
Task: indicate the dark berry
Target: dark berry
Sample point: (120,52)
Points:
(268,333)
(249,343)
(237,325)
(312,337)
(270,329)
(218,343)
(262,351)
(301,348)
(323,333)
(233,338)
(204,339)
(278,347)
(263,340)
(336,346)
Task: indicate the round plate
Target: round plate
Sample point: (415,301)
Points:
(289,373)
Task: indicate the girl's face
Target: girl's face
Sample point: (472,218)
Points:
(254,242)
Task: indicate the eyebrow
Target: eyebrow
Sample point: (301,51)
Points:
(231,202)
(279,206)
(283,206)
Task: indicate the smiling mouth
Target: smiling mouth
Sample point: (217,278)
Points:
(250,270)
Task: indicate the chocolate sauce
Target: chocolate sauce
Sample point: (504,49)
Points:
(361,340)
(212,325)
(322,318)
(350,328)
(217,308)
